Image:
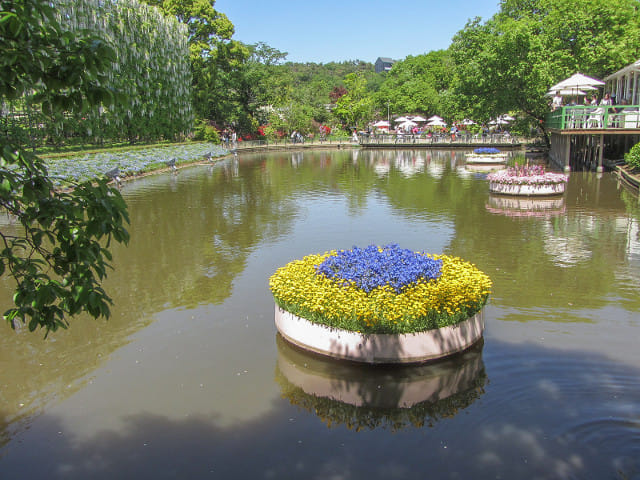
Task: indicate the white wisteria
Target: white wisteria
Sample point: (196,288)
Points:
(151,73)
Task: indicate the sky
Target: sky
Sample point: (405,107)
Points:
(335,31)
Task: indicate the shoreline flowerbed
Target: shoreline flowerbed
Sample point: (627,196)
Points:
(527,175)
(381,289)
(66,171)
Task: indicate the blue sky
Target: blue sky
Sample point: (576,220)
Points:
(333,30)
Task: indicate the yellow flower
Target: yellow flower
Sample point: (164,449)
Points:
(459,292)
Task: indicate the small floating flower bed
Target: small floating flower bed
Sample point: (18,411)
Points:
(488,155)
(527,180)
(374,304)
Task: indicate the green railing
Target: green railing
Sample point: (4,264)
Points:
(579,117)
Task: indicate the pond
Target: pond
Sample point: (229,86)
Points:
(189,378)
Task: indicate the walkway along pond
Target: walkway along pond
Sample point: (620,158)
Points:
(189,378)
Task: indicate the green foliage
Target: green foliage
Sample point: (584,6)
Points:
(355,107)
(416,84)
(205,132)
(632,158)
(57,249)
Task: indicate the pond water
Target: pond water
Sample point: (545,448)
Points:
(189,378)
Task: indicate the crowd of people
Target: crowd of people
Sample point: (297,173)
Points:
(607,99)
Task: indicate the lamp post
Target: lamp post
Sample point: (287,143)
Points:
(388,116)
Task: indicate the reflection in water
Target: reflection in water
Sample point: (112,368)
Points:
(512,206)
(567,248)
(365,396)
(480,168)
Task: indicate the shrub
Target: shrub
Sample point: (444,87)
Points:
(633,157)
(206,132)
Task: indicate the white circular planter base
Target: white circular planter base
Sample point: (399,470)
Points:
(379,348)
(526,190)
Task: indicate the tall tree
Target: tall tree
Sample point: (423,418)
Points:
(57,249)
(415,84)
(355,107)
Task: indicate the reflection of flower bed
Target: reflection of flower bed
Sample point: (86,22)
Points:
(381,290)
(525,206)
(373,397)
(527,180)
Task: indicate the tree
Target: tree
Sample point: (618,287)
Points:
(355,106)
(57,250)
(416,84)
(509,62)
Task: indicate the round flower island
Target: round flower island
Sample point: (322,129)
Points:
(527,180)
(486,156)
(380,304)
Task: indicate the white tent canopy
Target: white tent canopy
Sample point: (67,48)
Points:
(402,119)
(436,123)
(381,123)
(418,118)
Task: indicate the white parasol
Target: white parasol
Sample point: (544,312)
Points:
(578,81)
(569,92)
(408,124)
(437,122)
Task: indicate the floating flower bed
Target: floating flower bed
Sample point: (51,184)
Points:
(527,180)
(368,304)
(488,155)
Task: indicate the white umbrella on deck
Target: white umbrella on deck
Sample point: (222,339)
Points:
(569,92)
(381,124)
(402,119)
(499,121)
(438,122)
(418,118)
(435,117)
(578,81)
(408,124)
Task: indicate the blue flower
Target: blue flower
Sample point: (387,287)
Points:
(373,267)
(486,150)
